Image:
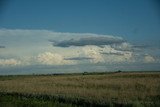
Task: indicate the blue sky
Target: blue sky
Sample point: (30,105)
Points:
(102,34)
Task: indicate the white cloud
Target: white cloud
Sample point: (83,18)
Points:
(32,47)
(126,57)
(49,58)
(107,54)
(93,52)
(123,46)
(149,59)
(9,62)
(111,55)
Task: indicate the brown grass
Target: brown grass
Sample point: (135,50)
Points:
(116,87)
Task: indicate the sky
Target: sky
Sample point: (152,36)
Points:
(63,36)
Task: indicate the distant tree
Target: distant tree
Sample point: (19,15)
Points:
(84,73)
(119,71)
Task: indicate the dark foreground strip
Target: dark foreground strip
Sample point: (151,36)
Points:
(62,99)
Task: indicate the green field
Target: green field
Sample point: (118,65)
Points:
(132,89)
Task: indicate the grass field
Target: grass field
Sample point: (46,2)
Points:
(132,89)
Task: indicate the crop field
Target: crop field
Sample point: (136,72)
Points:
(132,89)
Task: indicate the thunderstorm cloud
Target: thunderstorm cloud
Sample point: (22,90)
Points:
(32,48)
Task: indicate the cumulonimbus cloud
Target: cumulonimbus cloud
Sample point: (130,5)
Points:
(94,53)
(98,41)
(34,47)
(49,58)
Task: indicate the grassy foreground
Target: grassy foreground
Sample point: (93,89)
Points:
(131,89)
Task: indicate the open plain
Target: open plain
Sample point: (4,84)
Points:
(86,89)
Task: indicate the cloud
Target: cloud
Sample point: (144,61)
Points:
(94,53)
(9,62)
(141,46)
(125,58)
(98,41)
(110,53)
(107,54)
(149,59)
(78,58)
(34,47)
(2,46)
(125,46)
(49,58)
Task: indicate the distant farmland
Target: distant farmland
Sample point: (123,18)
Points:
(105,89)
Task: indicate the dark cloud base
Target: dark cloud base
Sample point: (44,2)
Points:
(98,41)
(2,47)
(119,54)
(78,58)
